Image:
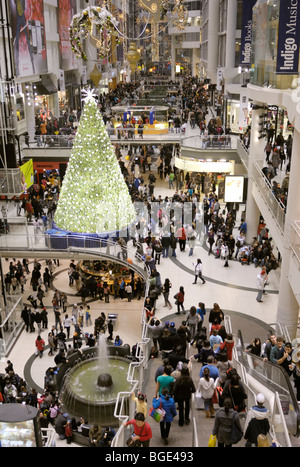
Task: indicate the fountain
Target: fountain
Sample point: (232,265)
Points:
(91,387)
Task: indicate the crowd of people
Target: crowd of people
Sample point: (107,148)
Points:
(219,391)
(155,237)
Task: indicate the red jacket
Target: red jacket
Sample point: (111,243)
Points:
(40,344)
(144,432)
(228,346)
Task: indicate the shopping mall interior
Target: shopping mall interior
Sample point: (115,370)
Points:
(150,224)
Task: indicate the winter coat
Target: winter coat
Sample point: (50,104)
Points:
(168,405)
(207,388)
(183,388)
(223,425)
(256,423)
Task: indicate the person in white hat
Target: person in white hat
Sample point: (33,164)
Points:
(257,421)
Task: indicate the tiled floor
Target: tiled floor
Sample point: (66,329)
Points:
(234,289)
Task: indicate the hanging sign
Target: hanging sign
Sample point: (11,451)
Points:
(288,38)
(246,37)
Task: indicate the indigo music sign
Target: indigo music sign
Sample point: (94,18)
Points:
(288,37)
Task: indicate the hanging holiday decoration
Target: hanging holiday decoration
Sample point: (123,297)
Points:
(95,75)
(133,56)
(99,24)
(180,14)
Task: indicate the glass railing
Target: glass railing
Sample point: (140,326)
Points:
(51,244)
(10,182)
(161,131)
(243,153)
(209,142)
(295,239)
(275,206)
(11,323)
(275,379)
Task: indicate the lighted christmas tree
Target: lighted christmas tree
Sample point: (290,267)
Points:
(94,197)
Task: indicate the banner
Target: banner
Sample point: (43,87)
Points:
(29,39)
(288,38)
(66,11)
(246,35)
(244,111)
(27,175)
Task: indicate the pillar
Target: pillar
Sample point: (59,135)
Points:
(288,307)
(173,58)
(212,38)
(256,152)
(230,34)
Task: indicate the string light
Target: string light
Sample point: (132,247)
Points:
(94,197)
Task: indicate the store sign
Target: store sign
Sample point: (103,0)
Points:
(288,38)
(234,189)
(246,37)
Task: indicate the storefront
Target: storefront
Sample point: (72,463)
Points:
(45,168)
(157,118)
(278,118)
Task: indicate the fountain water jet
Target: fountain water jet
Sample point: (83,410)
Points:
(91,387)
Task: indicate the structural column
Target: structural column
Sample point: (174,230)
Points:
(230,34)
(288,307)
(173,57)
(212,38)
(256,152)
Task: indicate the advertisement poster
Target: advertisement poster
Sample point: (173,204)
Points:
(29,40)
(246,35)
(66,9)
(234,189)
(288,38)
(244,111)
(27,176)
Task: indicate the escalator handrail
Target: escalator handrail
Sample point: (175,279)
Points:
(285,377)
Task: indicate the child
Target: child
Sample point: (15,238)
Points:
(141,403)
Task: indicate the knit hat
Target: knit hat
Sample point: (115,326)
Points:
(260,398)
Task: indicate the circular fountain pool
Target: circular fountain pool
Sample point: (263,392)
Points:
(82,396)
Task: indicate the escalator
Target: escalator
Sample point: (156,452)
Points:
(274,381)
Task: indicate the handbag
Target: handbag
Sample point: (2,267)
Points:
(236,434)
(157,414)
(132,443)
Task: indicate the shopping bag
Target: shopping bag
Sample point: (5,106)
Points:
(199,401)
(212,441)
(157,414)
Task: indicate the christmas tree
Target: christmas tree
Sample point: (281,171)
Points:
(94,197)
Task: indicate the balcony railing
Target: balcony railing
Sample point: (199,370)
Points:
(243,153)
(10,182)
(276,207)
(115,134)
(295,240)
(210,142)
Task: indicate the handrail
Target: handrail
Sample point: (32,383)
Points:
(275,378)
(250,366)
(73,244)
(276,207)
(211,142)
